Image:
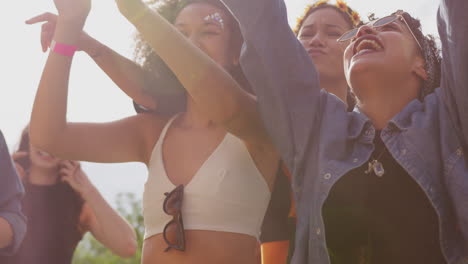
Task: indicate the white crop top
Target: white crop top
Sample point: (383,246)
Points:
(228,193)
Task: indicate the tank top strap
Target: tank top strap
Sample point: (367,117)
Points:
(157,147)
(166,127)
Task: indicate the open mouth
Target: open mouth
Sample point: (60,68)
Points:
(367,44)
(44,154)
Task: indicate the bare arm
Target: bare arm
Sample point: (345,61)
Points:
(6,233)
(126,74)
(97,216)
(283,77)
(214,91)
(119,141)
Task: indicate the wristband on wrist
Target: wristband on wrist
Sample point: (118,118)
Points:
(63,49)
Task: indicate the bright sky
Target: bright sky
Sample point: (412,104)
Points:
(93,97)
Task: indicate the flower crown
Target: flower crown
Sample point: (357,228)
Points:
(340,5)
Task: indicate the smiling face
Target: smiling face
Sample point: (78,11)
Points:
(388,53)
(318,35)
(208,27)
(43,159)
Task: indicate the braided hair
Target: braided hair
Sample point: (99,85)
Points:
(430,52)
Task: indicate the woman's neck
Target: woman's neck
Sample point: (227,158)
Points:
(337,87)
(41,176)
(193,118)
(383,101)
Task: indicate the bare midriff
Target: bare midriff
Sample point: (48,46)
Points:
(203,247)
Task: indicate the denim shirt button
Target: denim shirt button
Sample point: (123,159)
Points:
(459,152)
(318,231)
(327,176)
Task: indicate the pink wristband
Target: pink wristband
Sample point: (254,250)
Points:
(63,49)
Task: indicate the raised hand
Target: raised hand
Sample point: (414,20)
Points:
(72,174)
(48,28)
(132,9)
(73,10)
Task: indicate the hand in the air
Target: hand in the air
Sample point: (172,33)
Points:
(73,10)
(132,9)
(48,29)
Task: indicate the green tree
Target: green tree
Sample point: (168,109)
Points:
(90,251)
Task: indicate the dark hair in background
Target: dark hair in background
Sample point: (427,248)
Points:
(167,83)
(23,146)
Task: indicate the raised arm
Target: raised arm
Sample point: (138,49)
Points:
(281,73)
(453,31)
(12,221)
(155,90)
(213,90)
(97,216)
(120,141)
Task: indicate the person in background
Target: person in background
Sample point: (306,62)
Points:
(318,30)
(208,186)
(12,220)
(61,205)
(387,182)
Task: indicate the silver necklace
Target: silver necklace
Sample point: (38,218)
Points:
(376,166)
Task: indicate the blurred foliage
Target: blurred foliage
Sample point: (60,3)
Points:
(90,251)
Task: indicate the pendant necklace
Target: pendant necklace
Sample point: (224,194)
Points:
(376,166)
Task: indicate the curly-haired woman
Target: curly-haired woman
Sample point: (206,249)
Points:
(209,184)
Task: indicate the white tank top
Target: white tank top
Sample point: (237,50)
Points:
(228,193)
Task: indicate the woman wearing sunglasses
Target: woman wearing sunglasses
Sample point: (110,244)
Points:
(389,179)
(209,182)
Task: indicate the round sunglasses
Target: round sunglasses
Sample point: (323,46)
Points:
(173,206)
(379,23)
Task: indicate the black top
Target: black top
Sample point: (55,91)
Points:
(388,219)
(275,225)
(53,214)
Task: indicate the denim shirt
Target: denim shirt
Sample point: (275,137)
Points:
(320,141)
(11,192)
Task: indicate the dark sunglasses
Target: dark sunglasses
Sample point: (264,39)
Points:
(379,23)
(173,206)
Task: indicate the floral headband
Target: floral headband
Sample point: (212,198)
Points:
(340,5)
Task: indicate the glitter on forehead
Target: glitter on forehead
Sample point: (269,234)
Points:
(215,17)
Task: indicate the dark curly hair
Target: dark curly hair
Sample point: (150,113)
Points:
(430,52)
(150,61)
